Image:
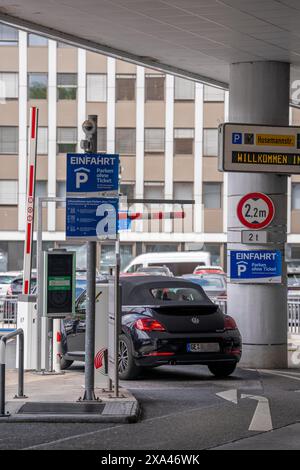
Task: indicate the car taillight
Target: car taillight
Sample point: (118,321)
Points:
(229,323)
(149,324)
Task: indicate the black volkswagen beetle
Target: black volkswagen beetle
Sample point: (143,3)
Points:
(164,321)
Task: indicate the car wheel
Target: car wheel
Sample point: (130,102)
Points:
(222,370)
(128,370)
(65,364)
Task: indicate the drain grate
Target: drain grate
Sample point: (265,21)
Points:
(62,408)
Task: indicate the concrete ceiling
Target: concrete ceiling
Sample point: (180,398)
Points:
(196,38)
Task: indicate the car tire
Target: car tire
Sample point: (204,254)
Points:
(222,370)
(65,363)
(128,370)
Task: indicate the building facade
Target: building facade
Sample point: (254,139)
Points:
(163,127)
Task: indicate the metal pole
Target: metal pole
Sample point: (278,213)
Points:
(89,393)
(2,378)
(117,317)
(39,257)
(21,367)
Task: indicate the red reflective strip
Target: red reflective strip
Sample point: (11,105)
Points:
(31,175)
(135,215)
(33,123)
(28,239)
(26,287)
(157,353)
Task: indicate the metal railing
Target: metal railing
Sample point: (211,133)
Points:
(294,316)
(293,313)
(8,311)
(3,341)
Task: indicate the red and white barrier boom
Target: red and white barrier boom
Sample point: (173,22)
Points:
(152,215)
(30,192)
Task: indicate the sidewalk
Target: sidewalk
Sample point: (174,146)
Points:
(54,398)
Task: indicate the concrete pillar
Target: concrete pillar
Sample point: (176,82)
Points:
(259,94)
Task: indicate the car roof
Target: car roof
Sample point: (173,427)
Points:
(136,290)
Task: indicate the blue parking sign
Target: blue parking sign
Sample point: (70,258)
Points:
(92,174)
(237,138)
(255,266)
(91,218)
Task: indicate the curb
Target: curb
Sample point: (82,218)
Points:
(132,417)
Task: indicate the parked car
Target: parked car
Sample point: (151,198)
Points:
(213,284)
(16,285)
(6,279)
(155,270)
(179,262)
(164,321)
(208,270)
(293,278)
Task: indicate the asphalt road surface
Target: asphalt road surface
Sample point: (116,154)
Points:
(185,407)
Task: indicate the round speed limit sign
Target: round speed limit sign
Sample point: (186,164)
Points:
(255,210)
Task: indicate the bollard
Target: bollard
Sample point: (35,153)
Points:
(57,350)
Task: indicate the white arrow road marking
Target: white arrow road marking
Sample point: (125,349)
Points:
(230,395)
(261,420)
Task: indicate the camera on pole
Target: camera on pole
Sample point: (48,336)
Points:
(89,144)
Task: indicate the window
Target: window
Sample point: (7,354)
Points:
(101,139)
(125,87)
(42,140)
(8,35)
(154,140)
(9,137)
(177,294)
(66,139)
(8,192)
(154,87)
(9,85)
(125,141)
(212,93)
(35,40)
(66,86)
(60,192)
(183,141)
(108,256)
(41,189)
(183,191)
(210,142)
(212,195)
(295,196)
(153,191)
(62,44)
(37,83)
(96,84)
(127,190)
(184,89)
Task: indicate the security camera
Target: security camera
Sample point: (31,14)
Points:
(89,127)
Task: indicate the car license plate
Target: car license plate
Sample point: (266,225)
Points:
(203,347)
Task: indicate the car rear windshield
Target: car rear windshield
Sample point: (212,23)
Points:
(177,294)
(212,282)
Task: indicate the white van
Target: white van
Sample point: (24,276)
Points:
(179,262)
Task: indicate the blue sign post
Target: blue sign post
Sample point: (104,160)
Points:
(92,201)
(92,174)
(91,218)
(256,266)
